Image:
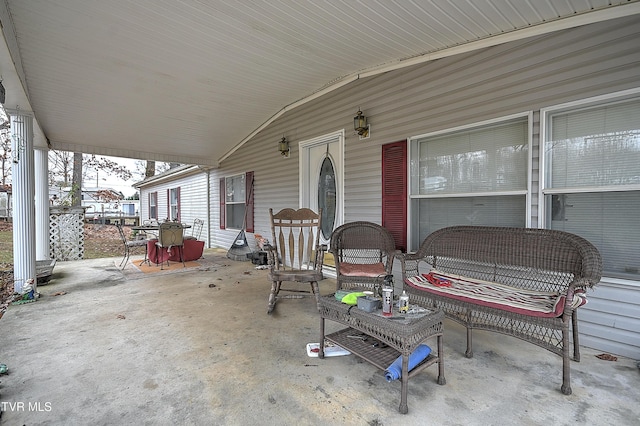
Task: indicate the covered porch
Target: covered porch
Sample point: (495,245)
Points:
(104,347)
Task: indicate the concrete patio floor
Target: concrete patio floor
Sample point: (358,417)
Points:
(197,348)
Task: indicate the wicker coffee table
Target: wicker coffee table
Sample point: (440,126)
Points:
(386,339)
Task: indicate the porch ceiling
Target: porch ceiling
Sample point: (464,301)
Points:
(187,81)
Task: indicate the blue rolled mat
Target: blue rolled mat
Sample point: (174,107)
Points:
(394,371)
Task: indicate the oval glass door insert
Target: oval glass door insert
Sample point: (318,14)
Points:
(327,198)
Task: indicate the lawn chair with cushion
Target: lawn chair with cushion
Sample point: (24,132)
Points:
(170,236)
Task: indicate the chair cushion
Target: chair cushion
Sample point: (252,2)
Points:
(137,243)
(371,270)
(500,296)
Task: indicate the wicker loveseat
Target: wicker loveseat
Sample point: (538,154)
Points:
(522,282)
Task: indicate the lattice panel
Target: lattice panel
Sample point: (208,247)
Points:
(66,234)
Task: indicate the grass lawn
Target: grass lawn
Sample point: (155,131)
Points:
(99,241)
(6,243)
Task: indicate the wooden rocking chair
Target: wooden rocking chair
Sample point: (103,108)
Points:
(294,253)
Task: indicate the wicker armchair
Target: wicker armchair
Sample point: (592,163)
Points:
(295,254)
(363,253)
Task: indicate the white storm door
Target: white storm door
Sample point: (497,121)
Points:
(322,180)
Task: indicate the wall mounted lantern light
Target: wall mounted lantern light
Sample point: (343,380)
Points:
(283,147)
(360,125)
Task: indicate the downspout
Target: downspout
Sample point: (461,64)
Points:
(207,170)
(41,158)
(209,209)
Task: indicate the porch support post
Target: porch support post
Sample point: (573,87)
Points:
(42,203)
(22,172)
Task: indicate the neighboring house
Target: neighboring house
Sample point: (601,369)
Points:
(177,194)
(96,206)
(5,202)
(541,132)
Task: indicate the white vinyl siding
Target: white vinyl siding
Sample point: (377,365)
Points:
(449,93)
(193,198)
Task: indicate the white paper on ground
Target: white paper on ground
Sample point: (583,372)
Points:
(332,350)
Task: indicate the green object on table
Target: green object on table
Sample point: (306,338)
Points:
(342,293)
(352,298)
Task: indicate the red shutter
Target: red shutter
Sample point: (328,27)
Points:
(223,198)
(394,191)
(248,181)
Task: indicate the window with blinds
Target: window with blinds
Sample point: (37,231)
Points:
(153,205)
(174,203)
(471,176)
(592,178)
(236,202)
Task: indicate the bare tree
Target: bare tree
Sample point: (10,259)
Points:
(108,166)
(76,185)
(150,169)
(69,170)
(5,145)
(60,168)
(5,155)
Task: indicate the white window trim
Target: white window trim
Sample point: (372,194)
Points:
(227,203)
(155,205)
(544,124)
(172,191)
(542,165)
(527,192)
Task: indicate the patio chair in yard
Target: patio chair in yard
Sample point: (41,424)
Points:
(170,236)
(295,254)
(196,230)
(130,245)
(363,253)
